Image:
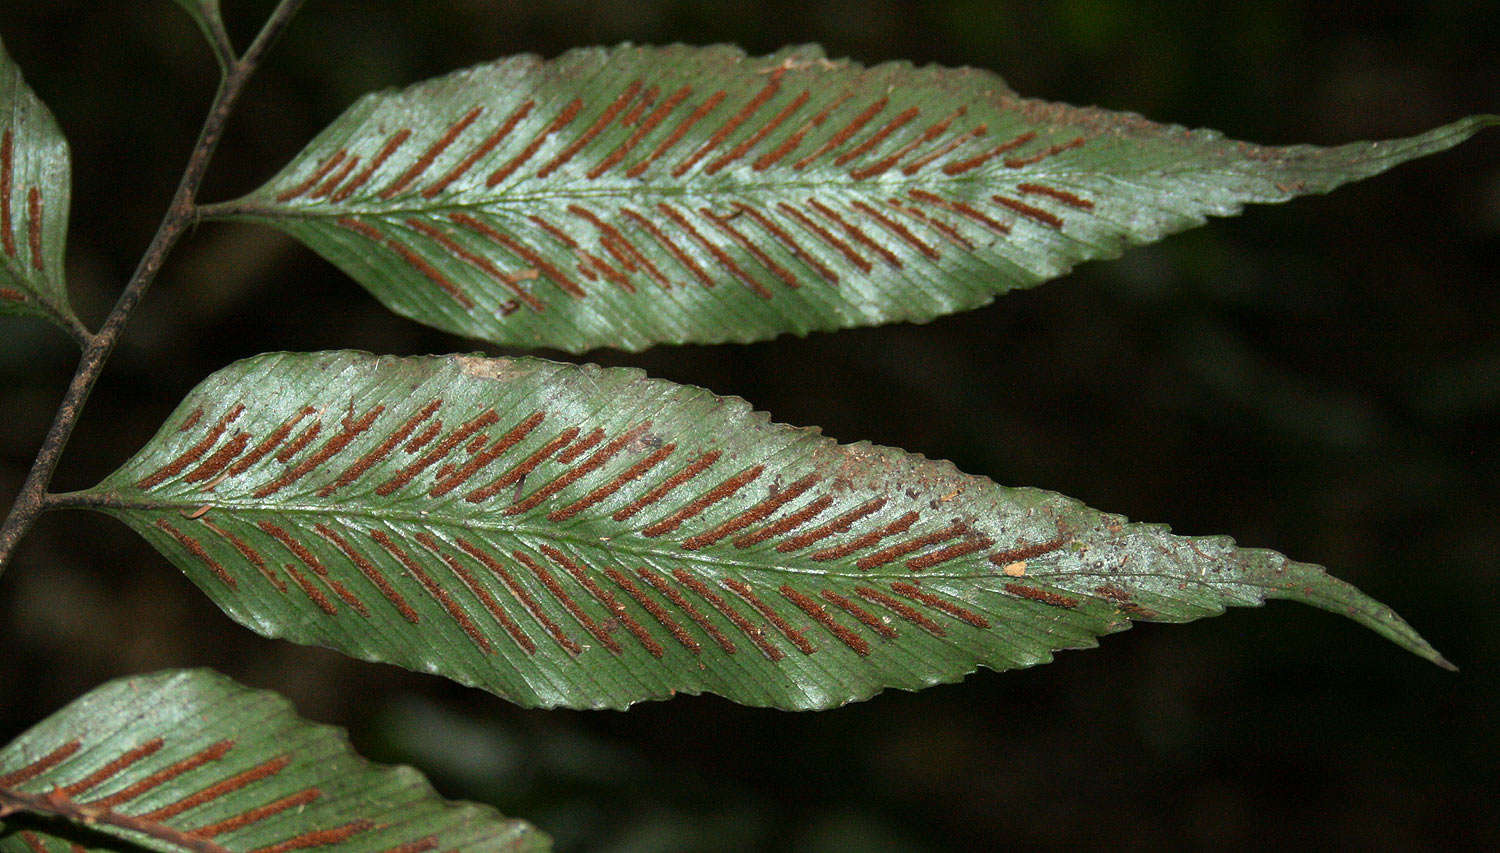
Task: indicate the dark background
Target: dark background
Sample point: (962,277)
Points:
(1321,377)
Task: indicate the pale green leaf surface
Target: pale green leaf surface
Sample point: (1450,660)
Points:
(190,760)
(631,196)
(588,537)
(35,180)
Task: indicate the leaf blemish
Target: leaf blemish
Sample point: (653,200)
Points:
(498,369)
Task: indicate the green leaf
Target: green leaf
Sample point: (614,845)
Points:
(631,196)
(34,186)
(566,535)
(190,760)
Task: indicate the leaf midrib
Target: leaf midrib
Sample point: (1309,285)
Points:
(112,502)
(235,208)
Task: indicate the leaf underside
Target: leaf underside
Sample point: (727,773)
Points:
(587,537)
(190,760)
(631,196)
(35,180)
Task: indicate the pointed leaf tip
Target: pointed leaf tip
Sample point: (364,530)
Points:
(588,537)
(35,175)
(631,196)
(1310,584)
(190,760)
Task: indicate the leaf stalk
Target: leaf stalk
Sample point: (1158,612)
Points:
(31,501)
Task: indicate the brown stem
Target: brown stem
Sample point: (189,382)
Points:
(180,214)
(58,803)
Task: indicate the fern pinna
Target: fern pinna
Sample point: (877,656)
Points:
(570,535)
(632,196)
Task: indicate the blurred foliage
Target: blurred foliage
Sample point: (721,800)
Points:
(1322,378)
